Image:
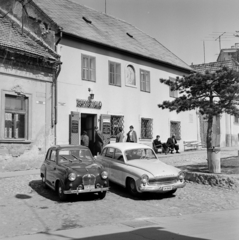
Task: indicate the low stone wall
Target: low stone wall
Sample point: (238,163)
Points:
(219,180)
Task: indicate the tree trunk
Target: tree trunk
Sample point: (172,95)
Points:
(213,155)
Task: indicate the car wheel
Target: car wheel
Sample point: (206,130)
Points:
(60,192)
(43,180)
(102,194)
(132,187)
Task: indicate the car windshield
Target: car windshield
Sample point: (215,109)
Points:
(141,153)
(75,155)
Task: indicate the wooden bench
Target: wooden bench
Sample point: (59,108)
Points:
(191,145)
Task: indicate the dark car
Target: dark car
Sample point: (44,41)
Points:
(70,169)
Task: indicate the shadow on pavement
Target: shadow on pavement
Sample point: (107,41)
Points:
(139,234)
(229,165)
(121,191)
(48,193)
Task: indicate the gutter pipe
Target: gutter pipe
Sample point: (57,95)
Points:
(56,90)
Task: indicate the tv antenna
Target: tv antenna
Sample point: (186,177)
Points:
(219,38)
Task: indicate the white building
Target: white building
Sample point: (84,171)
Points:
(110,77)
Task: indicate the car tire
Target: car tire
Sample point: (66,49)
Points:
(102,194)
(132,187)
(60,192)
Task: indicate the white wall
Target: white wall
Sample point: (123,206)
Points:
(127,101)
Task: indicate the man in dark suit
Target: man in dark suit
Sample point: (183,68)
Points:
(172,144)
(99,140)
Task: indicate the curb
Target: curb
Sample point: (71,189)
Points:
(218,180)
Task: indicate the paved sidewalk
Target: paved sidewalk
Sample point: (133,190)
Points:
(210,225)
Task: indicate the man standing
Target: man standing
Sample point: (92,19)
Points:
(172,144)
(85,139)
(99,140)
(120,136)
(131,135)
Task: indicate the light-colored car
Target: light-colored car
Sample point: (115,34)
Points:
(136,167)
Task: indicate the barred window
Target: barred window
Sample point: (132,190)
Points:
(88,68)
(144,81)
(146,128)
(175,128)
(116,122)
(173,94)
(114,74)
(16,115)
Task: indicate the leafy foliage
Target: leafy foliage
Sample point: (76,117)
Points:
(212,93)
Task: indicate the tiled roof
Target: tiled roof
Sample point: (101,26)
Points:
(11,37)
(214,66)
(106,30)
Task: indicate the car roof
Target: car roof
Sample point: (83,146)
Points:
(127,145)
(68,146)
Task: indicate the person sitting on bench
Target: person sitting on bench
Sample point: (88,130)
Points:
(157,144)
(172,144)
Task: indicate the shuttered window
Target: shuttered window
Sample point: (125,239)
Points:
(144,81)
(88,68)
(114,74)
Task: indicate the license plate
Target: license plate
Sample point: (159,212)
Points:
(88,187)
(167,188)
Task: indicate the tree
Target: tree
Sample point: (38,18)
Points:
(212,93)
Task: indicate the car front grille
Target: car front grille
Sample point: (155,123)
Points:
(88,179)
(167,180)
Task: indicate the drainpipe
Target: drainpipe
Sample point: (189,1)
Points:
(56,88)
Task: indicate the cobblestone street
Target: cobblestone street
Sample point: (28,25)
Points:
(27,208)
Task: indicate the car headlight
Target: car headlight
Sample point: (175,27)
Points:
(181,176)
(144,179)
(72,176)
(104,174)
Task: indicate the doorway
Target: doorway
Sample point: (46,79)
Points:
(88,122)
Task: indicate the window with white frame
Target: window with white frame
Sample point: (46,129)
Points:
(88,68)
(173,94)
(114,73)
(175,128)
(16,117)
(146,128)
(144,81)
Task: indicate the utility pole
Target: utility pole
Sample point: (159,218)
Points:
(220,41)
(105,6)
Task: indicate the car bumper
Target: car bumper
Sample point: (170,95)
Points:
(161,188)
(78,191)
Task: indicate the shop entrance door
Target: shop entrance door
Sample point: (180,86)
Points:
(88,122)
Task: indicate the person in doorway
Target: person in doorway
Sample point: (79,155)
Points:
(131,135)
(99,140)
(120,136)
(172,144)
(85,139)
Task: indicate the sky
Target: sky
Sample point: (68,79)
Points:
(188,28)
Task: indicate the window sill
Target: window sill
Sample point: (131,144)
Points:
(15,141)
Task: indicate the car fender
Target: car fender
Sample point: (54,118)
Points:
(135,173)
(43,170)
